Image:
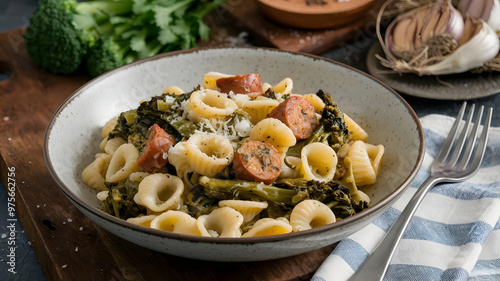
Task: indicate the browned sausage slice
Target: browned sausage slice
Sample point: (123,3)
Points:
(248,84)
(298,114)
(153,155)
(257,161)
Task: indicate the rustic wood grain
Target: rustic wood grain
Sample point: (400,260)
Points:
(266,32)
(69,245)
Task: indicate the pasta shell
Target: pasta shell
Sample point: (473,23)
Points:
(142,220)
(138,176)
(316,101)
(109,146)
(177,222)
(269,226)
(173,90)
(178,157)
(209,104)
(221,222)
(376,154)
(102,195)
(357,132)
(249,209)
(365,168)
(259,108)
(319,162)
(123,163)
(275,132)
(160,192)
(109,126)
(94,174)
(284,87)
(310,214)
(210,79)
(208,154)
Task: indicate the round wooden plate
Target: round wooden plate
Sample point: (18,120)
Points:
(313,14)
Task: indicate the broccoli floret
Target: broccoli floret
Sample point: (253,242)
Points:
(63,34)
(332,118)
(61,31)
(108,54)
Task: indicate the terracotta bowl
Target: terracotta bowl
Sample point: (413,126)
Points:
(313,14)
(74,133)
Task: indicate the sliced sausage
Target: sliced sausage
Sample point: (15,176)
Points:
(248,84)
(257,161)
(298,114)
(154,153)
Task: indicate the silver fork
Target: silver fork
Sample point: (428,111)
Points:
(458,159)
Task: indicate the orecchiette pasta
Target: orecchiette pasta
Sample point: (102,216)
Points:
(111,145)
(173,90)
(310,214)
(249,209)
(284,87)
(364,168)
(356,131)
(259,108)
(316,102)
(208,154)
(221,222)
(123,163)
(109,126)
(177,222)
(209,104)
(94,174)
(142,220)
(160,192)
(319,162)
(138,176)
(275,132)
(178,157)
(268,226)
(209,80)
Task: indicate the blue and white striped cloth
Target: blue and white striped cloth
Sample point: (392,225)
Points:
(455,233)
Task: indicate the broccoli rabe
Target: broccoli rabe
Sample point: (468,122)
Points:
(166,111)
(284,193)
(120,201)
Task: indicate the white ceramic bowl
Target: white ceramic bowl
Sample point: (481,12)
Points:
(73,136)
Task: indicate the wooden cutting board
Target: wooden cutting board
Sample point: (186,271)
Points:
(68,244)
(265,32)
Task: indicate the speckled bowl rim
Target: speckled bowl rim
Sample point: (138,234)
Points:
(246,240)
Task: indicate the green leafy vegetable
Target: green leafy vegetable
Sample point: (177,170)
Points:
(101,35)
(120,201)
(284,193)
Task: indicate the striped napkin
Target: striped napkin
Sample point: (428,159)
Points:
(455,233)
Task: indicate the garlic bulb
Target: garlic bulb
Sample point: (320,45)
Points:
(488,10)
(479,45)
(437,40)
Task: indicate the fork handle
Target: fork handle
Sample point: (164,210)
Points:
(376,265)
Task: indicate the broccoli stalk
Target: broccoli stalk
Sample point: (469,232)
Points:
(229,189)
(61,31)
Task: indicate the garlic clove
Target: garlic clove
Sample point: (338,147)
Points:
(482,47)
(409,34)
